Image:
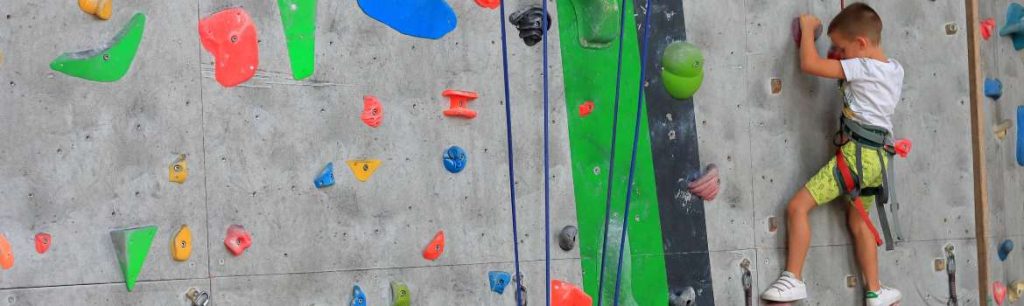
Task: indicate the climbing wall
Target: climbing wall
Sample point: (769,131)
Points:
(1001,61)
(83,158)
(769,144)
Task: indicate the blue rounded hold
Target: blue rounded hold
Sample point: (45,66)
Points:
(455,159)
(499,280)
(1004,249)
(358,297)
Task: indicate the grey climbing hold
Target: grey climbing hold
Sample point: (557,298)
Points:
(530,23)
(683,297)
(567,238)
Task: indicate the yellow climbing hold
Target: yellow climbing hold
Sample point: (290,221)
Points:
(181,246)
(178,171)
(100,8)
(363,169)
(1001,128)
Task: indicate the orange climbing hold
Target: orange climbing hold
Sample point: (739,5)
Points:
(6,254)
(458,100)
(566,294)
(181,245)
(230,36)
(102,9)
(491,4)
(435,248)
(373,112)
(586,108)
(43,242)
(237,240)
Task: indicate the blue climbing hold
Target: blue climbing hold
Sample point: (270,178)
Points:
(358,296)
(1004,249)
(1014,27)
(1020,136)
(455,159)
(419,18)
(326,177)
(499,280)
(993,88)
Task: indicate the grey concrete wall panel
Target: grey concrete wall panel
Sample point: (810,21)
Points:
(146,293)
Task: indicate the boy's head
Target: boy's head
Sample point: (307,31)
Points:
(856,30)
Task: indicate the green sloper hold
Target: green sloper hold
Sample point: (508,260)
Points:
(597,22)
(132,247)
(299,20)
(682,69)
(400,294)
(106,64)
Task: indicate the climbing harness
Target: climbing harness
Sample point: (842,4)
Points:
(879,140)
(520,298)
(611,153)
(636,141)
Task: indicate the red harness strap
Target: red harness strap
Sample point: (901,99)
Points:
(844,169)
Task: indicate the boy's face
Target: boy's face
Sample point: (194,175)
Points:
(849,47)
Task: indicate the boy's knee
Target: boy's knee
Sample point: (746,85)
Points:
(797,209)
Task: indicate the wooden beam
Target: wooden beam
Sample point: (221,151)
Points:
(978,147)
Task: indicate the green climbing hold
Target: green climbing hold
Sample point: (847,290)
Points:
(597,22)
(109,63)
(682,69)
(132,247)
(299,20)
(400,294)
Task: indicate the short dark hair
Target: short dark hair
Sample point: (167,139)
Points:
(858,19)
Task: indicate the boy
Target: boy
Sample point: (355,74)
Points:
(871,86)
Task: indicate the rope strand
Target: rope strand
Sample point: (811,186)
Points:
(511,157)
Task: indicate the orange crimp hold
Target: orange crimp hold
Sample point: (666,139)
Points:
(435,248)
(458,101)
(586,108)
(43,241)
(491,4)
(6,254)
(102,9)
(566,294)
(902,147)
(373,112)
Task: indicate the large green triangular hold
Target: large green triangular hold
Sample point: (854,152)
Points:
(299,20)
(132,247)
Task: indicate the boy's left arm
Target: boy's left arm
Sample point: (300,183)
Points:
(810,61)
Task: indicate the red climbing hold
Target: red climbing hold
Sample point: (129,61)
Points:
(458,100)
(998,292)
(566,294)
(230,36)
(6,254)
(435,248)
(491,4)
(373,112)
(902,147)
(706,187)
(42,242)
(237,240)
(586,108)
(987,26)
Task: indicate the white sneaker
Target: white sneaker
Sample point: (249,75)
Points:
(786,289)
(883,297)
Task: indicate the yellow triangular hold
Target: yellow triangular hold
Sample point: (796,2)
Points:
(363,169)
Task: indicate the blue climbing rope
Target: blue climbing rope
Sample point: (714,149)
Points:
(511,157)
(611,155)
(547,177)
(636,140)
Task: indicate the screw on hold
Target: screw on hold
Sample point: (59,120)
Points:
(234,38)
(567,238)
(106,57)
(197,297)
(683,297)
(773,224)
(951,28)
(851,281)
(530,23)
(776,86)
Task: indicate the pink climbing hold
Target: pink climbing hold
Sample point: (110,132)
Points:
(566,294)
(373,112)
(902,147)
(237,240)
(586,108)
(230,36)
(706,187)
(491,4)
(43,242)
(998,292)
(987,26)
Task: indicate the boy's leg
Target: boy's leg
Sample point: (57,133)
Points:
(865,248)
(798,231)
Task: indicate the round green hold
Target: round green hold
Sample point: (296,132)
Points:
(682,69)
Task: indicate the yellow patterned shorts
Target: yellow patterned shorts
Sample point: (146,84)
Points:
(824,187)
